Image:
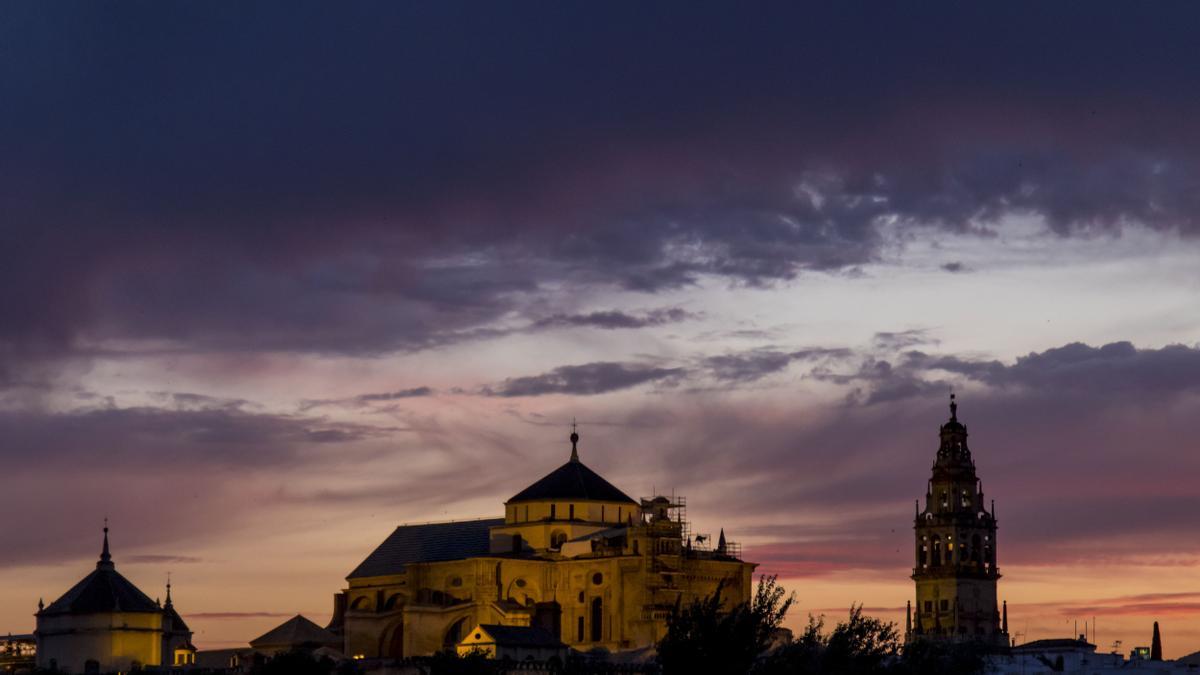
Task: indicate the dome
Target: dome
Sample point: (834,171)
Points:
(104,590)
(572,481)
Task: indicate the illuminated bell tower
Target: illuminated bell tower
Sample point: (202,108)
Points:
(956,571)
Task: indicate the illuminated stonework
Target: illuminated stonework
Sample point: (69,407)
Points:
(106,624)
(573,555)
(955,570)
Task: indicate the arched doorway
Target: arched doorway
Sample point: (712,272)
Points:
(395,644)
(454,634)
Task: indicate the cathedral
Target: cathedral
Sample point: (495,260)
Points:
(106,624)
(573,556)
(955,570)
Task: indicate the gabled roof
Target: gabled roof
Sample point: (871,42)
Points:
(104,590)
(295,632)
(519,636)
(573,480)
(433,542)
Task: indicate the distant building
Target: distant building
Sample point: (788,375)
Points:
(956,570)
(572,555)
(104,624)
(297,633)
(516,643)
(18,653)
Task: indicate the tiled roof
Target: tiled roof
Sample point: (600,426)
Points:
(427,543)
(104,590)
(295,632)
(572,480)
(521,636)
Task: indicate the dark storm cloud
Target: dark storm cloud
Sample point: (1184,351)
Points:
(585,380)
(365,178)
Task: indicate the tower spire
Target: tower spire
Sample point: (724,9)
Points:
(105,557)
(953,408)
(168,589)
(574,441)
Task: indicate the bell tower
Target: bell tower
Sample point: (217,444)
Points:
(955,570)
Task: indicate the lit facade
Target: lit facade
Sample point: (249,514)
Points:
(955,571)
(106,624)
(572,555)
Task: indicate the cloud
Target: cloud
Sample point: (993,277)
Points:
(366,399)
(615,319)
(955,267)
(219,228)
(237,615)
(585,380)
(167,477)
(156,559)
(753,365)
(898,340)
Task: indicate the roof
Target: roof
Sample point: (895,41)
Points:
(295,632)
(573,480)
(104,590)
(520,636)
(433,542)
(172,621)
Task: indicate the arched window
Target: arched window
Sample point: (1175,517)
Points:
(937,551)
(553,511)
(976,545)
(571,512)
(597,619)
(392,601)
(361,602)
(923,555)
(557,539)
(580,638)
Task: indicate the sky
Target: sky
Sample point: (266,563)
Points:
(278,277)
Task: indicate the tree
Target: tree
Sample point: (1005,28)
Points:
(702,637)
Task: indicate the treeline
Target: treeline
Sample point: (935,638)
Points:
(704,638)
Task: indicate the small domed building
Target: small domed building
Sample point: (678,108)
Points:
(573,555)
(106,624)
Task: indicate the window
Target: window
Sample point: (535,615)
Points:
(552,511)
(517,543)
(580,636)
(571,512)
(597,619)
(928,605)
(944,605)
(557,539)
(597,578)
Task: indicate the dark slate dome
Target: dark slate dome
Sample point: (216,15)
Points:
(572,481)
(102,591)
